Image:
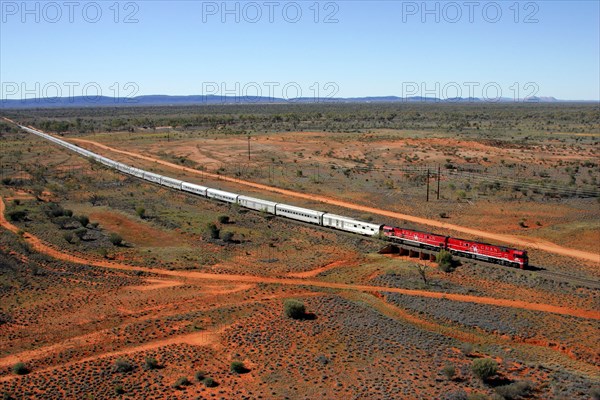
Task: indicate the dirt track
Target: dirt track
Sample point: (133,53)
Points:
(518,241)
(42,247)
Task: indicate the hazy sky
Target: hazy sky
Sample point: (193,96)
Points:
(279,48)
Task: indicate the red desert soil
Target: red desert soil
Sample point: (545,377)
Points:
(156,284)
(511,239)
(135,232)
(314,272)
(203,338)
(42,247)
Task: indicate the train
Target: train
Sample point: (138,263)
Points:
(459,247)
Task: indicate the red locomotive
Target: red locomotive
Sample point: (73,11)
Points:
(465,248)
(416,238)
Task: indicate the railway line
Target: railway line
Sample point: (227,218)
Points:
(568,278)
(327,220)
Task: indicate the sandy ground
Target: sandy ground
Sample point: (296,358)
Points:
(510,239)
(42,247)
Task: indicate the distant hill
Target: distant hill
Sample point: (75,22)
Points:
(166,100)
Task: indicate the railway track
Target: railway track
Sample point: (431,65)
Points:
(590,283)
(568,278)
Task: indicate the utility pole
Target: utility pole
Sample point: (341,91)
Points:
(438,181)
(318,172)
(428,184)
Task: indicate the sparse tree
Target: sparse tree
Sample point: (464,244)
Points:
(422,270)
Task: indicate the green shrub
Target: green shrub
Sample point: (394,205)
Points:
(294,309)
(141,212)
(68,236)
(514,391)
(122,365)
(466,348)
(17,215)
(150,363)
(200,376)
(477,396)
(20,369)
(449,371)
(119,389)
(223,219)
(180,383)
(455,395)
(115,239)
(80,232)
(209,382)
(83,220)
(445,261)
(238,367)
(213,231)
(7,396)
(54,210)
(228,237)
(484,368)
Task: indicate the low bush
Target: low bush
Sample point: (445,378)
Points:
(83,220)
(20,369)
(17,215)
(228,237)
(213,231)
(68,236)
(484,368)
(445,261)
(466,348)
(115,239)
(209,382)
(294,309)
(200,376)
(119,389)
(449,371)
(80,232)
(238,367)
(150,363)
(223,219)
(180,383)
(455,395)
(478,396)
(141,212)
(122,365)
(514,391)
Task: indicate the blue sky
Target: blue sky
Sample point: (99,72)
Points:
(548,48)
